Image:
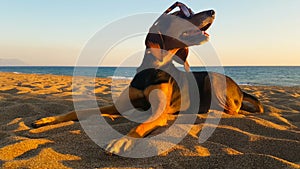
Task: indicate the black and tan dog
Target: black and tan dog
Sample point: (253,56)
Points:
(154,87)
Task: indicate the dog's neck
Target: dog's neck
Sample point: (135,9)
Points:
(151,59)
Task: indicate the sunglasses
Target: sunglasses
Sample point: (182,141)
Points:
(183,8)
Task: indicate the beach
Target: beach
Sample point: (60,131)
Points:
(247,140)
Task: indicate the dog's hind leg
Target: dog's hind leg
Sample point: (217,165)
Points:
(55,119)
(112,111)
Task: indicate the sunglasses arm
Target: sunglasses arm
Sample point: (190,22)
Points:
(182,8)
(176,4)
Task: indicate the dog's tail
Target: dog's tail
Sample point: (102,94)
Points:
(254,101)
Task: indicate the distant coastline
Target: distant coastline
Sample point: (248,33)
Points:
(13,61)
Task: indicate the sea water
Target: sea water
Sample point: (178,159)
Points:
(248,75)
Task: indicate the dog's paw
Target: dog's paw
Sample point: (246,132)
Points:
(120,145)
(43,122)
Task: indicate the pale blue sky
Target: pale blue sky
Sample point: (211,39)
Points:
(52,32)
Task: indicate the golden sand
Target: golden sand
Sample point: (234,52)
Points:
(268,140)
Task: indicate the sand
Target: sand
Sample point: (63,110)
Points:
(268,140)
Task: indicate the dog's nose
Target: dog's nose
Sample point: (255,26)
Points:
(212,12)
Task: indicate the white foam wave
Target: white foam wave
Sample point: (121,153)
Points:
(121,77)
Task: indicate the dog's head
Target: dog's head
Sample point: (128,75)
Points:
(176,32)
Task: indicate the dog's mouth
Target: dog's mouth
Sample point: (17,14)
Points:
(205,27)
(191,33)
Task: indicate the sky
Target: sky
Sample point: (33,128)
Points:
(54,32)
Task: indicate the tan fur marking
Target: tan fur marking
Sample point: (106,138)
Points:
(160,109)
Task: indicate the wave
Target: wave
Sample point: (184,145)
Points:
(120,77)
(245,83)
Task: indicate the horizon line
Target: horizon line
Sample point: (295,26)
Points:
(138,66)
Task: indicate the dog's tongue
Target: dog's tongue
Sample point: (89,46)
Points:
(205,33)
(200,32)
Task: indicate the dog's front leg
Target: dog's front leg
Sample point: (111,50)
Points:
(127,142)
(159,97)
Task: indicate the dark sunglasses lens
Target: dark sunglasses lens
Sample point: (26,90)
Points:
(185,11)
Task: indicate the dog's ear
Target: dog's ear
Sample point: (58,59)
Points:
(154,42)
(154,38)
(155,50)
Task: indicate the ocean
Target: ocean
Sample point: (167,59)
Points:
(244,75)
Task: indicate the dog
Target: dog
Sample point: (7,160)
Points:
(156,89)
